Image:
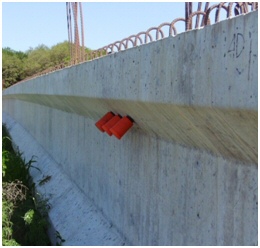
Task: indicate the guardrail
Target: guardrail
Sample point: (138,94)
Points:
(147,36)
(210,15)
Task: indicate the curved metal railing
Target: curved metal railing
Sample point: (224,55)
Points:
(210,15)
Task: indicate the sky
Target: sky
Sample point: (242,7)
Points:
(29,24)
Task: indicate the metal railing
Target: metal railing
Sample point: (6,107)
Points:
(192,20)
(231,9)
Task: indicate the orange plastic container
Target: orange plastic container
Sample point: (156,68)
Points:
(108,116)
(111,123)
(121,127)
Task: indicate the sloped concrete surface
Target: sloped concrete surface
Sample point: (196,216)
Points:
(231,133)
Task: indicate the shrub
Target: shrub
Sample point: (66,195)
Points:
(24,211)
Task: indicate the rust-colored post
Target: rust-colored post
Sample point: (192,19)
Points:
(188,11)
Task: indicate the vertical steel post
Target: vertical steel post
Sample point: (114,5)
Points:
(188,11)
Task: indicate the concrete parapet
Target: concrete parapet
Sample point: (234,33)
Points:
(186,173)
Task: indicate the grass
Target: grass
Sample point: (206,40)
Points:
(24,211)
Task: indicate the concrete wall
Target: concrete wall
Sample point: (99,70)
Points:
(186,173)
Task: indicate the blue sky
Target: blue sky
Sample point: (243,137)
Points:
(30,24)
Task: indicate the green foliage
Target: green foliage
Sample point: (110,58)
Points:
(30,227)
(12,69)
(41,204)
(7,144)
(15,168)
(28,217)
(24,212)
(5,160)
(10,242)
(6,149)
(60,53)
(7,210)
(38,60)
(17,65)
(36,225)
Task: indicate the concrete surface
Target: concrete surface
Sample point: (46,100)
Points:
(192,73)
(186,173)
(72,214)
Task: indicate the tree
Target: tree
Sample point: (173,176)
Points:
(17,65)
(38,60)
(60,54)
(12,66)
